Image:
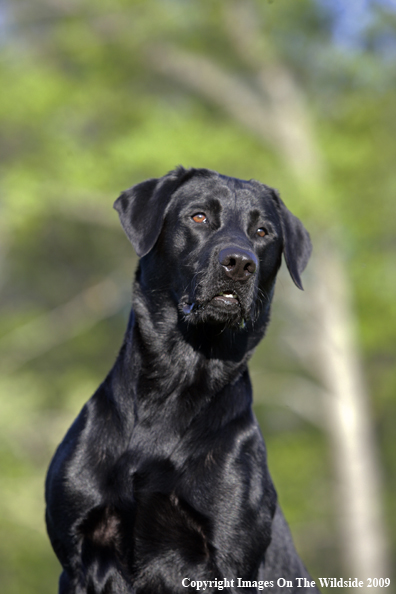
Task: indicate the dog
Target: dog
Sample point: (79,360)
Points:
(161,485)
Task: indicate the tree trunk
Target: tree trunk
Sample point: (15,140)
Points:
(348,415)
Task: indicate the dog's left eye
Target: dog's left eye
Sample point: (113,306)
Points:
(200,217)
(261,232)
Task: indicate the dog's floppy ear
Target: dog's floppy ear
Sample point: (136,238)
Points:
(142,209)
(297,245)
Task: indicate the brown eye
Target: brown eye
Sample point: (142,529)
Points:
(261,232)
(200,217)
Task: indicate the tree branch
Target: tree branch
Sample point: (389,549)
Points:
(61,324)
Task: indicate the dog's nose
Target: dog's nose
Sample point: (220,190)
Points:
(238,264)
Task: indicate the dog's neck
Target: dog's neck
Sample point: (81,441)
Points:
(167,373)
(169,356)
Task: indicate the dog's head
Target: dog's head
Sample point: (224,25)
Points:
(213,243)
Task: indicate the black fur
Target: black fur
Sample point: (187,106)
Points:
(163,475)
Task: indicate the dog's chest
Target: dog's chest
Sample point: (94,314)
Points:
(211,516)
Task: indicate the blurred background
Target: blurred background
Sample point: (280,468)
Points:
(298,94)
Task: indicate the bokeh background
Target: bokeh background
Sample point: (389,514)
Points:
(300,94)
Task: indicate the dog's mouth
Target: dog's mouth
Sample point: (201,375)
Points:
(225,306)
(226,298)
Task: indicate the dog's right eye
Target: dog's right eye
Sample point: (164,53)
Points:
(200,217)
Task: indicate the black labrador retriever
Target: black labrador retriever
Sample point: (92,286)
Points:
(161,485)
